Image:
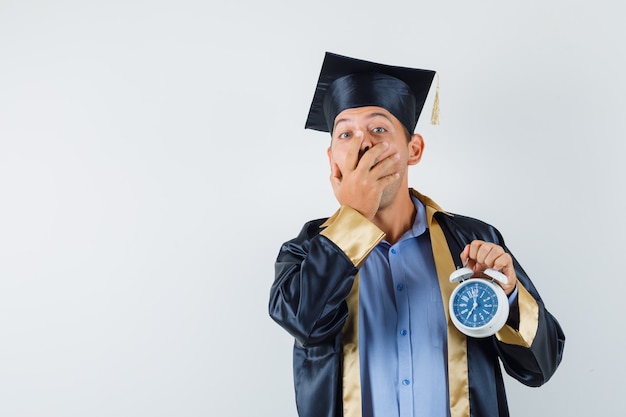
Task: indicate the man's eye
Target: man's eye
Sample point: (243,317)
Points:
(379,130)
(344,135)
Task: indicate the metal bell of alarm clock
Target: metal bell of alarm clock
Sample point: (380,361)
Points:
(478,307)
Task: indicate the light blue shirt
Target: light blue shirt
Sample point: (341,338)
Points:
(402,328)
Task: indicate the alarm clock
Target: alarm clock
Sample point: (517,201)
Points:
(478,307)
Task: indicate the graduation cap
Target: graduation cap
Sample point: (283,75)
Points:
(346,83)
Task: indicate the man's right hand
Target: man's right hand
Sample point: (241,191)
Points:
(359,182)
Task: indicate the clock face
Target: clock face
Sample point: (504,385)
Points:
(476,304)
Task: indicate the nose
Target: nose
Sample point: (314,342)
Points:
(366,142)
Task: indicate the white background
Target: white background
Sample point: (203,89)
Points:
(153,159)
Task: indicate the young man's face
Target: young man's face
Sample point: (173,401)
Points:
(360,129)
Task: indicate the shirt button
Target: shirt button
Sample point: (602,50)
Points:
(393,251)
(403,332)
(406,382)
(400,287)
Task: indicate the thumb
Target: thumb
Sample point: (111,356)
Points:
(335,172)
(465,255)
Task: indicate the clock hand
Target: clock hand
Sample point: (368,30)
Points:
(472,310)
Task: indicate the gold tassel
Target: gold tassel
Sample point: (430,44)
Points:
(434,118)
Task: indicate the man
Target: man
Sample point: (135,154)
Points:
(365,292)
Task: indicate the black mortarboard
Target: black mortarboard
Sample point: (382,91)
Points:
(346,83)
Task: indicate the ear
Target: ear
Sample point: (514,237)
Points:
(416,148)
(329,152)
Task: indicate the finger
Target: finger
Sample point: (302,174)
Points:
(501,262)
(474,247)
(387,166)
(465,254)
(483,253)
(335,172)
(354,152)
(382,182)
(374,155)
(504,263)
(490,254)
(479,250)
(509,271)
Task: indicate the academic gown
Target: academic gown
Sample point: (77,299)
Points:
(315,298)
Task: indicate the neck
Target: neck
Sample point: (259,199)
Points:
(396,218)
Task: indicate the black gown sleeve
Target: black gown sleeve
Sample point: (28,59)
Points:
(313,278)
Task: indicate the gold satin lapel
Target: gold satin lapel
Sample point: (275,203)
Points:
(351,365)
(356,236)
(457,346)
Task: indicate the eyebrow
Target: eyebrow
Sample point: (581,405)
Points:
(369,116)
